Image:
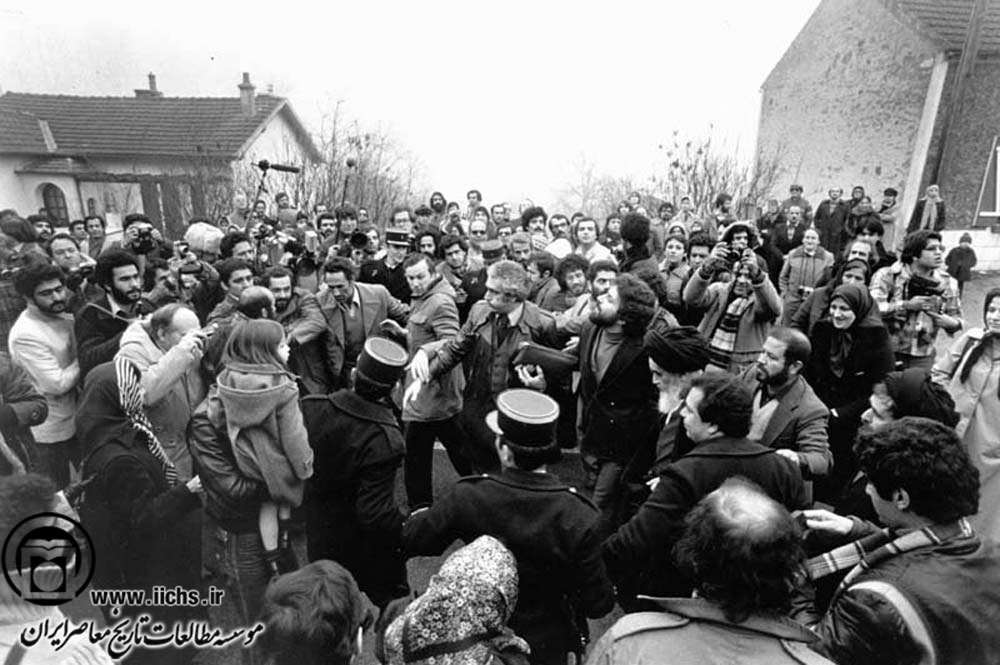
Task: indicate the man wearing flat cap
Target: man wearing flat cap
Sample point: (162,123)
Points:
(548,526)
(388,271)
(351,512)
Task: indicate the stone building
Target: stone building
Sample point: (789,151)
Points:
(899,93)
(167,157)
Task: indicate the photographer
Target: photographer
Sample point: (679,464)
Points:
(140,238)
(159,283)
(738,313)
(63,249)
(167,348)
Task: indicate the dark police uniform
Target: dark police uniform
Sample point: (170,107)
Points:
(394,279)
(549,528)
(351,512)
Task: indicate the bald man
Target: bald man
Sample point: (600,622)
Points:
(742,551)
(167,347)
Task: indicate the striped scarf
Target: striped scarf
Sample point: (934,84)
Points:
(131,396)
(868,552)
(723,341)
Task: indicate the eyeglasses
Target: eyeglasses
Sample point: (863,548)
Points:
(494,292)
(477,233)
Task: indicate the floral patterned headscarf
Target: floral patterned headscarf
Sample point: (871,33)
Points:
(462,617)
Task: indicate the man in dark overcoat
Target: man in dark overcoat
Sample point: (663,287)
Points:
(351,512)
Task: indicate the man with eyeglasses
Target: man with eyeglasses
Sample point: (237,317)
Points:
(496,329)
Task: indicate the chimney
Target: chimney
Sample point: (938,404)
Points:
(248,102)
(152,92)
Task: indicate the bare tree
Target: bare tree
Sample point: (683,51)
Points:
(701,170)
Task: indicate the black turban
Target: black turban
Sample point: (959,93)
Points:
(677,350)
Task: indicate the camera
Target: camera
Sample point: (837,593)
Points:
(262,231)
(144,243)
(733,255)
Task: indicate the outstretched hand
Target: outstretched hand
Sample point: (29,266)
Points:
(412,392)
(824,520)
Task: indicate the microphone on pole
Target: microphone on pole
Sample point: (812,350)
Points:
(264,165)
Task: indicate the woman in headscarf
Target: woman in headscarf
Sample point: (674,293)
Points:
(462,617)
(971,372)
(817,303)
(146,525)
(851,353)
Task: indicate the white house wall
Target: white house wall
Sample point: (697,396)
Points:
(23,192)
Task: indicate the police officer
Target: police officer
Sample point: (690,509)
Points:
(351,512)
(550,529)
(388,271)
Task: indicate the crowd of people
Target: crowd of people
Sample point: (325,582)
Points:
(778,464)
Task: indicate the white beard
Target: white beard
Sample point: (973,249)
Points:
(668,400)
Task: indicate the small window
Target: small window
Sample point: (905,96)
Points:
(55,203)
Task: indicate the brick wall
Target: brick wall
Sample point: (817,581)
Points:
(843,105)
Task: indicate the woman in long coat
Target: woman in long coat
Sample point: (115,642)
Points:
(970,370)
(850,354)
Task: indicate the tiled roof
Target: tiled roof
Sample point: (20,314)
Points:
(139,126)
(20,132)
(948,21)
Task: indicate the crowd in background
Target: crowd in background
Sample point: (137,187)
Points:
(207,401)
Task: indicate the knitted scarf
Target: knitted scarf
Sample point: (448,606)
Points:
(723,340)
(870,551)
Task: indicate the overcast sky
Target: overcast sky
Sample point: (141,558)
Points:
(501,96)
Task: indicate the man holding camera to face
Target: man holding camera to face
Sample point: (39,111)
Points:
(738,312)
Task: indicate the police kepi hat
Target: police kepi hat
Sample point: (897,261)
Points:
(525,418)
(397,237)
(492,250)
(382,361)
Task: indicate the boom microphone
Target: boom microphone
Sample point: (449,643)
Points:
(264,165)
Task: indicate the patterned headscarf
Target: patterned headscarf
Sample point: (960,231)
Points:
(461,619)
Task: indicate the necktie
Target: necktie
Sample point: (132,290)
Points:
(502,328)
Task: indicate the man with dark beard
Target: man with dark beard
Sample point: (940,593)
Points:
(306,330)
(101,322)
(787,414)
(41,344)
(617,399)
(439,205)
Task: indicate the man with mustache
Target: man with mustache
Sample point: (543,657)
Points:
(101,322)
(41,343)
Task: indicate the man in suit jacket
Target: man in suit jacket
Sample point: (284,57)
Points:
(717,416)
(354,312)
(787,414)
(486,345)
(787,235)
